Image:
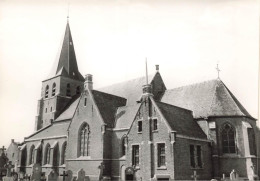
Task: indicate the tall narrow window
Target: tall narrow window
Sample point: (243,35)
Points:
(155,127)
(140,126)
(84,140)
(123,145)
(85,101)
(39,155)
(63,156)
(192,156)
(53,89)
(199,159)
(32,150)
(68,90)
(47,154)
(135,155)
(228,139)
(251,139)
(47,91)
(161,155)
(78,90)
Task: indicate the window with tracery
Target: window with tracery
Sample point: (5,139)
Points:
(47,154)
(228,135)
(84,143)
(31,161)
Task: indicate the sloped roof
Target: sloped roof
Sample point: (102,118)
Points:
(131,90)
(125,115)
(56,129)
(66,64)
(107,105)
(209,98)
(181,120)
(69,110)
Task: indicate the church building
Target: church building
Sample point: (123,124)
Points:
(138,129)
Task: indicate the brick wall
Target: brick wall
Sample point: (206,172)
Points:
(86,114)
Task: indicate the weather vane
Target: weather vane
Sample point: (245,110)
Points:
(217,68)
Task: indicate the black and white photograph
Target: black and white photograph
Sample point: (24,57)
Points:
(129,90)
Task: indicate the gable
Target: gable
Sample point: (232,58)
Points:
(180,120)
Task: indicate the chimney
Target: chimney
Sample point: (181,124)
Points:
(12,140)
(88,84)
(157,68)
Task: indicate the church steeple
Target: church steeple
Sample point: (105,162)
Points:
(67,65)
(63,84)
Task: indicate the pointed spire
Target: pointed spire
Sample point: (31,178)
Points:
(67,58)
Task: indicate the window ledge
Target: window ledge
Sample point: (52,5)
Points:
(162,168)
(155,131)
(139,132)
(196,168)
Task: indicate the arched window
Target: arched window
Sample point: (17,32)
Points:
(84,134)
(68,90)
(32,150)
(63,153)
(123,146)
(53,89)
(78,90)
(47,91)
(47,154)
(39,155)
(228,139)
(23,159)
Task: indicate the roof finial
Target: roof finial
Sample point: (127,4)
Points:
(146,75)
(217,68)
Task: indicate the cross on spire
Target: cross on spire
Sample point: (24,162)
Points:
(217,68)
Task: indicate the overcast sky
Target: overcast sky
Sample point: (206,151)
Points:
(113,37)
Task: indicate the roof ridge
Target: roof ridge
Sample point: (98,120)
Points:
(127,81)
(193,84)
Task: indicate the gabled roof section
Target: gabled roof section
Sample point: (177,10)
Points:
(69,110)
(181,120)
(125,116)
(131,89)
(107,105)
(53,130)
(209,98)
(67,62)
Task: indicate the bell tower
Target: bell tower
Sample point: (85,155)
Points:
(64,83)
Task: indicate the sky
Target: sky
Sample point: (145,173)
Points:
(112,38)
